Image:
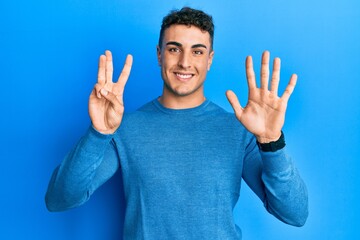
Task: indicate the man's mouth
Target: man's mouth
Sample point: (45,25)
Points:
(184,76)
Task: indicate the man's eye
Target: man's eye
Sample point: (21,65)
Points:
(198,52)
(174,50)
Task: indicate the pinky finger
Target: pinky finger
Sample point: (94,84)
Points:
(290,88)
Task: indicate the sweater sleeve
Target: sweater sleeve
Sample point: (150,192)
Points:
(85,168)
(275,179)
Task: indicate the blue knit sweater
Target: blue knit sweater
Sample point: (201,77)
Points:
(182,172)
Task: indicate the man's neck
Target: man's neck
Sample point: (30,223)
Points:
(181,102)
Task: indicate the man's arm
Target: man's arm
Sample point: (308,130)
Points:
(276,181)
(94,159)
(90,164)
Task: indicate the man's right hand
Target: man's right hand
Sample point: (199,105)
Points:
(106,105)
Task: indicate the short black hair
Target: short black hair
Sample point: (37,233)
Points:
(188,16)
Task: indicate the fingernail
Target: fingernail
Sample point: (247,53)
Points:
(104,92)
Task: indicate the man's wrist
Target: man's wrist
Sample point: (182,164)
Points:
(272,146)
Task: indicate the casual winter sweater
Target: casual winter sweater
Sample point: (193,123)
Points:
(182,172)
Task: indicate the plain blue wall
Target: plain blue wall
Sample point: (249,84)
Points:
(49,53)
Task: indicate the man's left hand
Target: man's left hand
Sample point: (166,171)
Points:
(264,114)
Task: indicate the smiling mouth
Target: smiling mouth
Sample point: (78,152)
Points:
(184,76)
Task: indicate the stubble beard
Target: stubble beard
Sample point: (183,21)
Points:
(177,93)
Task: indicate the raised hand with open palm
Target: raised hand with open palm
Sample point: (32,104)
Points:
(264,114)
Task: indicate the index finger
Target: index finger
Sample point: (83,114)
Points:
(101,71)
(125,73)
(108,66)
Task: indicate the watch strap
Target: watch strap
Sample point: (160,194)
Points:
(272,146)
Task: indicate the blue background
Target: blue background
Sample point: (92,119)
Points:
(49,56)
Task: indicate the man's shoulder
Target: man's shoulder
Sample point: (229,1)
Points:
(143,112)
(147,107)
(225,118)
(218,111)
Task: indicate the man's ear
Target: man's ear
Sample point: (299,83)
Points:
(211,56)
(158,53)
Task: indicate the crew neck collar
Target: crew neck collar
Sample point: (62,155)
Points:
(193,110)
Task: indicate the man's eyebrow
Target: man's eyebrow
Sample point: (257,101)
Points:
(174,43)
(199,45)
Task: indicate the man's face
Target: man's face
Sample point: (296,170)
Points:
(185,57)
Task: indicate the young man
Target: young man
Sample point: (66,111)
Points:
(182,157)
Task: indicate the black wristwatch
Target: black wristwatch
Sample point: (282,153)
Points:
(272,146)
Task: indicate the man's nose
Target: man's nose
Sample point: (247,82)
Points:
(185,60)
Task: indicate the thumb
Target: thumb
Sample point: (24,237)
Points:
(111,97)
(235,104)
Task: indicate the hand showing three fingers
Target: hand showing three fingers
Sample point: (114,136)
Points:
(264,114)
(106,106)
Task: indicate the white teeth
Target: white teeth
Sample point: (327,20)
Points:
(186,76)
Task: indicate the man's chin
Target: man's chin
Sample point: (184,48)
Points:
(183,92)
